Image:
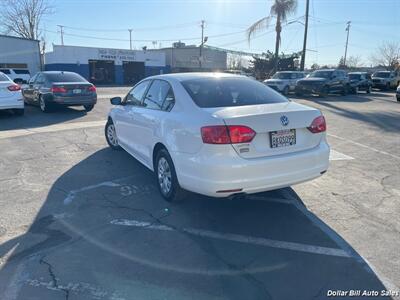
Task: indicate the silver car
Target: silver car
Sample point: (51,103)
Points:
(284,81)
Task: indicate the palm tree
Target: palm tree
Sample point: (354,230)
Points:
(281,9)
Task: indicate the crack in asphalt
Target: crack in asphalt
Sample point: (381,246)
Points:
(54,278)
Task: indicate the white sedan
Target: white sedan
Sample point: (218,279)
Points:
(10,95)
(218,134)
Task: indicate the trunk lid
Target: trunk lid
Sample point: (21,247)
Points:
(74,89)
(266,118)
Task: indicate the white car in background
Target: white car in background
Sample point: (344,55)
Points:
(218,134)
(285,81)
(19,76)
(10,95)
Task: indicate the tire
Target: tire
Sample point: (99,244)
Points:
(88,107)
(324,92)
(166,179)
(44,105)
(356,90)
(369,90)
(111,135)
(344,90)
(387,88)
(19,112)
(285,91)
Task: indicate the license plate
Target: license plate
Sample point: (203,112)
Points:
(282,138)
(76,91)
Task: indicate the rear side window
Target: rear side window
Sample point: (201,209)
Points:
(5,71)
(4,77)
(64,77)
(157,94)
(21,71)
(225,92)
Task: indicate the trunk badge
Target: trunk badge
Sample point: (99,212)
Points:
(284,120)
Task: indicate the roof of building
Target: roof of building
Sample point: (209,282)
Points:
(17,37)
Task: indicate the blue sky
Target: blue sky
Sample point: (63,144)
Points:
(373,22)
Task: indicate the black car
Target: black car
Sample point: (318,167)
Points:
(50,88)
(360,81)
(324,82)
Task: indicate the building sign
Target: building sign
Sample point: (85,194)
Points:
(116,54)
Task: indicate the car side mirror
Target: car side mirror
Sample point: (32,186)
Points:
(116,101)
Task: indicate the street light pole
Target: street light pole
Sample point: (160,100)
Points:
(303,54)
(130,38)
(62,34)
(347,42)
(202,41)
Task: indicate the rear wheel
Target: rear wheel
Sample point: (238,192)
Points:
(356,90)
(167,180)
(286,90)
(111,135)
(88,107)
(344,90)
(369,89)
(19,112)
(44,105)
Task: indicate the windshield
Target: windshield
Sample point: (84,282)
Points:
(354,76)
(64,77)
(280,75)
(224,92)
(321,74)
(382,74)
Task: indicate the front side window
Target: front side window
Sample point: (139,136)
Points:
(39,79)
(157,94)
(227,92)
(135,96)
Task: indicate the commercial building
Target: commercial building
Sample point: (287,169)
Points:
(186,58)
(16,52)
(105,65)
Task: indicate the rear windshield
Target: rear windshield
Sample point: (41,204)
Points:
(64,77)
(21,71)
(4,77)
(321,74)
(223,92)
(382,74)
(5,71)
(354,76)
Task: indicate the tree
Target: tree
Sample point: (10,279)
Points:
(387,55)
(23,17)
(315,66)
(354,62)
(281,9)
(234,62)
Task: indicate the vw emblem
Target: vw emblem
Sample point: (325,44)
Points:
(284,120)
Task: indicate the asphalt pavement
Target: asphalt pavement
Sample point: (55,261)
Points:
(80,221)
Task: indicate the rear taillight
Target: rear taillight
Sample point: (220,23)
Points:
(92,89)
(58,89)
(232,134)
(318,125)
(14,88)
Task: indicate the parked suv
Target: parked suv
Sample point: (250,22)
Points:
(284,81)
(323,82)
(386,80)
(360,81)
(17,75)
(47,89)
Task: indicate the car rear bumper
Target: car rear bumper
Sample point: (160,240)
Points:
(73,101)
(209,175)
(14,104)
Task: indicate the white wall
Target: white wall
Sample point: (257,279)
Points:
(20,51)
(81,55)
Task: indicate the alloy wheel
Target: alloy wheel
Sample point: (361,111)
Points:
(164,175)
(112,135)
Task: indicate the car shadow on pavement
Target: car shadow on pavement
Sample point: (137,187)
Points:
(34,117)
(104,232)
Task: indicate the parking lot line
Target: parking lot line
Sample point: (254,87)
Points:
(238,238)
(364,146)
(51,128)
(336,155)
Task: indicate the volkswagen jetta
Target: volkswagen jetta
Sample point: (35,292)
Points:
(218,134)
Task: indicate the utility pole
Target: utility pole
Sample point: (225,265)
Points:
(303,54)
(62,34)
(130,38)
(202,41)
(347,42)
